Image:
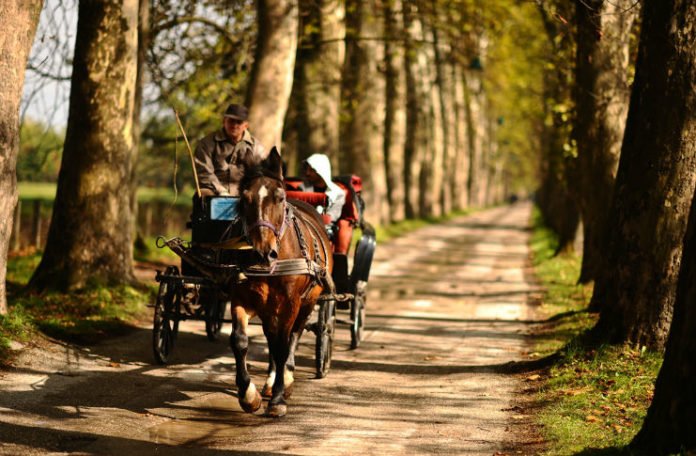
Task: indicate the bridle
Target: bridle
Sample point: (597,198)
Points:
(278,231)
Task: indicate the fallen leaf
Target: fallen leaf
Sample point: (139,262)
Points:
(112,364)
(534,377)
(591,419)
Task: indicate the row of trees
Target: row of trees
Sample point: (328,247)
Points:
(633,189)
(393,91)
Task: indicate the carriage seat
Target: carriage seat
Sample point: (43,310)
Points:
(351,186)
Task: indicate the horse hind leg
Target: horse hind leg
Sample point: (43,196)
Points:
(249,397)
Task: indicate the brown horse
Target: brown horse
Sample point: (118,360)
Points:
(282,298)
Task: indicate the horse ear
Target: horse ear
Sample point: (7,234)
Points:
(274,163)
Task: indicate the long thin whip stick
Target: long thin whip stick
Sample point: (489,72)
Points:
(188,146)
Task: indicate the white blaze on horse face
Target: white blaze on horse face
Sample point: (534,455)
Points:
(263,193)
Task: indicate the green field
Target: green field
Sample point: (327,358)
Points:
(46,191)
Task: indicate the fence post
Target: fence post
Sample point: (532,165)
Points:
(17,227)
(36,224)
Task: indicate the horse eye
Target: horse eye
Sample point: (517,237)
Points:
(280,195)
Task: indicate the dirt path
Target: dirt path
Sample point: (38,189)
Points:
(447,306)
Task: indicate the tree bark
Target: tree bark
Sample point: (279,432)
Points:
(395,112)
(19,19)
(363,105)
(316,89)
(90,239)
(670,425)
(655,182)
(272,73)
(411,168)
(460,163)
(556,197)
(601,99)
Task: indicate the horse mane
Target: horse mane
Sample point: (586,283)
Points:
(307,209)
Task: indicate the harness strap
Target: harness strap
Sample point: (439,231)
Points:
(294,266)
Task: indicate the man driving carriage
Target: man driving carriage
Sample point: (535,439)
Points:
(221,156)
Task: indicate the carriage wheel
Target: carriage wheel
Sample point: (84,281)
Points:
(165,325)
(357,315)
(326,324)
(214,318)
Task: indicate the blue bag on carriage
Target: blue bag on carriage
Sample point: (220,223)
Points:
(224,208)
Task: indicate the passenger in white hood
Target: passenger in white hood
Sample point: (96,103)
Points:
(317,178)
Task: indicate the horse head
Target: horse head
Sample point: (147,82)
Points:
(264,208)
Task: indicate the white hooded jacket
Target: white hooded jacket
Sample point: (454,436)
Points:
(336,196)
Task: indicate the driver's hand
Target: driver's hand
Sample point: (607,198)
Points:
(224,193)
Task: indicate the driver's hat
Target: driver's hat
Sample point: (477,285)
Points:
(237,112)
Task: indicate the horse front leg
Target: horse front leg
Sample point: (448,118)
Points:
(249,397)
(279,346)
(289,371)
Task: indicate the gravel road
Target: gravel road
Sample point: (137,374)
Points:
(447,309)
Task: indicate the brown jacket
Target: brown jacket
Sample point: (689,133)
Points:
(220,164)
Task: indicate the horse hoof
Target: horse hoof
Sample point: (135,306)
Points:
(288,391)
(267,391)
(251,401)
(276,410)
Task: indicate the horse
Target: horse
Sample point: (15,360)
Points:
(280,232)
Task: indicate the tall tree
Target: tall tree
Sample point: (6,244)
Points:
(362,103)
(670,425)
(19,19)
(395,109)
(601,94)
(272,74)
(655,182)
(316,90)
(90,239)
(556,199)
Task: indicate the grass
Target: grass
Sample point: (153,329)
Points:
(595,397)
(82,317)
(46,191)
(147,251)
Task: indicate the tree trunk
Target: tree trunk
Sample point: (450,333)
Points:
(143,47)
(272,74)
(317,84)
(476,129)
(19,19)
(90,240)
(556,197)
(434,160)
(601,100)
(655,182)
(395,113)
(460,163)
(363,105)
(411,168)
(670,425)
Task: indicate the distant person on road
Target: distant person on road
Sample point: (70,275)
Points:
(221,156)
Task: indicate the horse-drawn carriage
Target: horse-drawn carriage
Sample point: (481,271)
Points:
(224,261)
